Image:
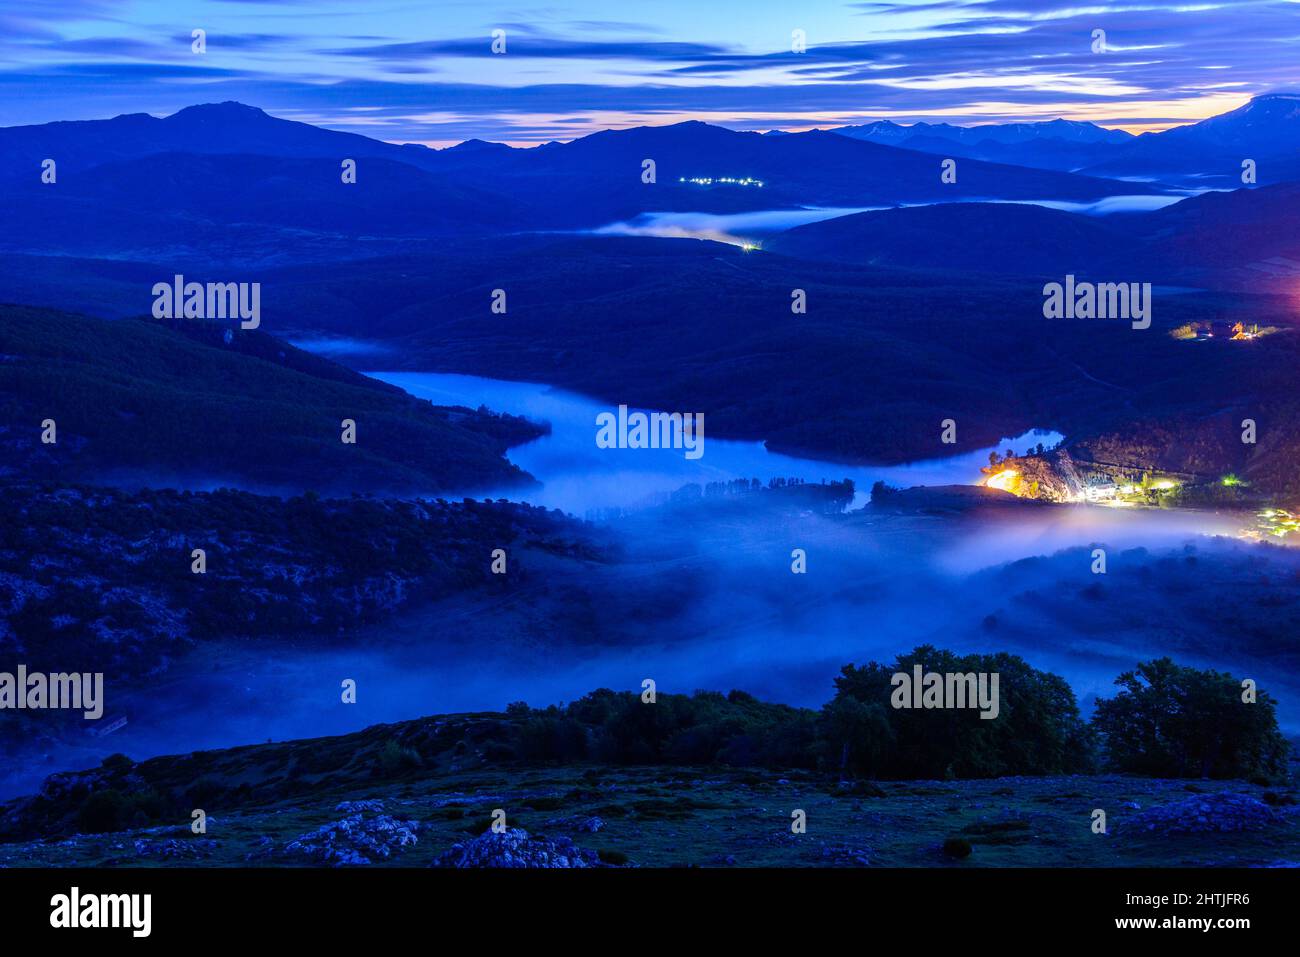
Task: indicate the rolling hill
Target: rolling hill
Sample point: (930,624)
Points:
(1247,239)
(142,403)
(226,183)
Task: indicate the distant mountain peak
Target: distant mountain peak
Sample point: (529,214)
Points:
(225,108)
(1004,133)
(470,145)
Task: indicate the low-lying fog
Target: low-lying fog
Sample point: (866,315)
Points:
(579,477)
(704,598)
(704,605)
(751,228)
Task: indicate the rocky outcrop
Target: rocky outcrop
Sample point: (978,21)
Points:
(1204,814)
(356,839)
(516,848)
(1052,476)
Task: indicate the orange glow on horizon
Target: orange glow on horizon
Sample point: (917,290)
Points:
(1133,116)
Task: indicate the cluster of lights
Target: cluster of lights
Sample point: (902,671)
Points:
(1130,495)
(1279,522)
(729,180)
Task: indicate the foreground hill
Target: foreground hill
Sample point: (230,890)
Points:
(139,401)
(674,816)
(424,792)
(104,578)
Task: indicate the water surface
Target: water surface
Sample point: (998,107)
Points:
(579,477)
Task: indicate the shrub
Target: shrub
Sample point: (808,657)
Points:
(111,810)
(957,847)
(395,759)
(103,811)
(117,762)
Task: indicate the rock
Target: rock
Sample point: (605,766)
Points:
(516,848)
(1204,814)
(860,788)
(171,849)
(357,807)
(844,855)
(264,848)
(586,825)
(355,840)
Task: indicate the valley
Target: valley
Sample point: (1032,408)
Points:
(430,585)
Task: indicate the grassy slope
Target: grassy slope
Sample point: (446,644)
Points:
(160,404)
(656,816)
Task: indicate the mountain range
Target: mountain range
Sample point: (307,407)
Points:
(1207,153)
(229,183)
(931,294)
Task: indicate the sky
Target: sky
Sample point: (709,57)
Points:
(425,71)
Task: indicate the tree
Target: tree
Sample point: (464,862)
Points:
(1173,721)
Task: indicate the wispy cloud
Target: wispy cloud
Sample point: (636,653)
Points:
(410,71)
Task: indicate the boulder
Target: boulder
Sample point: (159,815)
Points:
(514,847)
(356,839)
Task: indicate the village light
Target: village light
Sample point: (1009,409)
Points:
(729,180)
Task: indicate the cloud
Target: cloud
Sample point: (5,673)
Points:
(566,73)
(536,47)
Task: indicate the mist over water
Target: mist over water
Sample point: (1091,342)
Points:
(751,228)
(736,229)
(579,477)
(702,605)
(705,600)
(1105,206)
(341,347)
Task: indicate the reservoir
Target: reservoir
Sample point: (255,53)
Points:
(579,477)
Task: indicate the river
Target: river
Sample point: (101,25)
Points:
(579,477)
